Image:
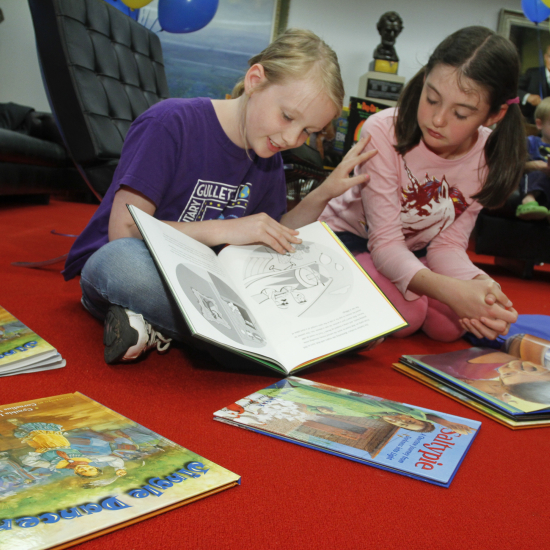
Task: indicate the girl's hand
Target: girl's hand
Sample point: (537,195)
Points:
(310,208)
(486,327)
(260,228)
(339,180)
(482,306)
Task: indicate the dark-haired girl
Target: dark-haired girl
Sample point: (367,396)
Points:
(438,165)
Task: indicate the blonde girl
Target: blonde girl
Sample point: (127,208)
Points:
(211,169)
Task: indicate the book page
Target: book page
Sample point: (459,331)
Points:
(202,288)
(313,302)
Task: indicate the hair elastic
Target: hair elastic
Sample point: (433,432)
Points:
(512,101)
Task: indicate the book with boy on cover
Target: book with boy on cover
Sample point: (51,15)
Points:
(72,469)
(22,350)
(511,385)
(286,311)
(413,441)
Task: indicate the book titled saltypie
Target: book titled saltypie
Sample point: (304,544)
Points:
(413,441)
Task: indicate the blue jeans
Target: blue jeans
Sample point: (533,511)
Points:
(122,272)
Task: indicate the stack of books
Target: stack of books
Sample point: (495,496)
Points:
(22,350)
(510,385)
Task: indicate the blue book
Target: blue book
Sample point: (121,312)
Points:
(413,441)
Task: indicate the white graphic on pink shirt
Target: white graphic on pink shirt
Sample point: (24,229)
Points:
(428,208)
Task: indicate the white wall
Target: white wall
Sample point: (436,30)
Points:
(349,26)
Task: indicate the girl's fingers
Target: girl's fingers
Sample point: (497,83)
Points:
(356,180)
(500,296)
(497,325)
(365,157)
(360,158)
(360,145)
(467,324)
(484,329)
(281,238)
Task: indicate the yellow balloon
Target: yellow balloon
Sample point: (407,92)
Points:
(546,3)
(136,4)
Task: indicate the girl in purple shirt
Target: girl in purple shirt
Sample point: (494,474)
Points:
(212,169)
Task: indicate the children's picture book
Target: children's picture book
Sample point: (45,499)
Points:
(286,311)
(72,469)
(511,385)
(469,400)
(359,110)
(22,350)
(413,441)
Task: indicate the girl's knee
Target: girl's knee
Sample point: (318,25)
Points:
(442,323)
(414,312)
(415,315)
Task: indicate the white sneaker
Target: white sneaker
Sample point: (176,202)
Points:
(127,336)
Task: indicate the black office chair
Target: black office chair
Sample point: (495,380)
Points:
(101,70)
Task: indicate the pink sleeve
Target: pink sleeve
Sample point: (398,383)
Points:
(382,204)
(447,252)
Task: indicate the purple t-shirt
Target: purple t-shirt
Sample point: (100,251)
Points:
(178,156)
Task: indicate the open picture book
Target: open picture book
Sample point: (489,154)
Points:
(511,385)
(286,311)
(22,350)
(413,441)
(72,469)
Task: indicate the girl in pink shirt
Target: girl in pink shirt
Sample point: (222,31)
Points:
(437,165)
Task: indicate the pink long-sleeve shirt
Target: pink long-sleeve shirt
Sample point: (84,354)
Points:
(411,202)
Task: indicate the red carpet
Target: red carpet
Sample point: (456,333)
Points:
(291,497)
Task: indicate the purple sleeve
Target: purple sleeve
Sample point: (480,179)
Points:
(148,159)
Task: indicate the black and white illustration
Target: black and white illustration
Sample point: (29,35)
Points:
(311,282)
(220,306)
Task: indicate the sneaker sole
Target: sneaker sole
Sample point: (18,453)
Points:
(118,335)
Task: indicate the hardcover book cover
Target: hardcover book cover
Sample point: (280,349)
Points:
(22,350)
(469,400)
(512,384)
(72,469)
(413,441)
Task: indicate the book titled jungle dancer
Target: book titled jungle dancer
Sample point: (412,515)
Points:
(413,441)
(286,311)
(22,350)
(511,385)
(72,469)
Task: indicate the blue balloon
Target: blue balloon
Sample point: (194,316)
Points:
(535,10)
(181,16)
(119,5)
